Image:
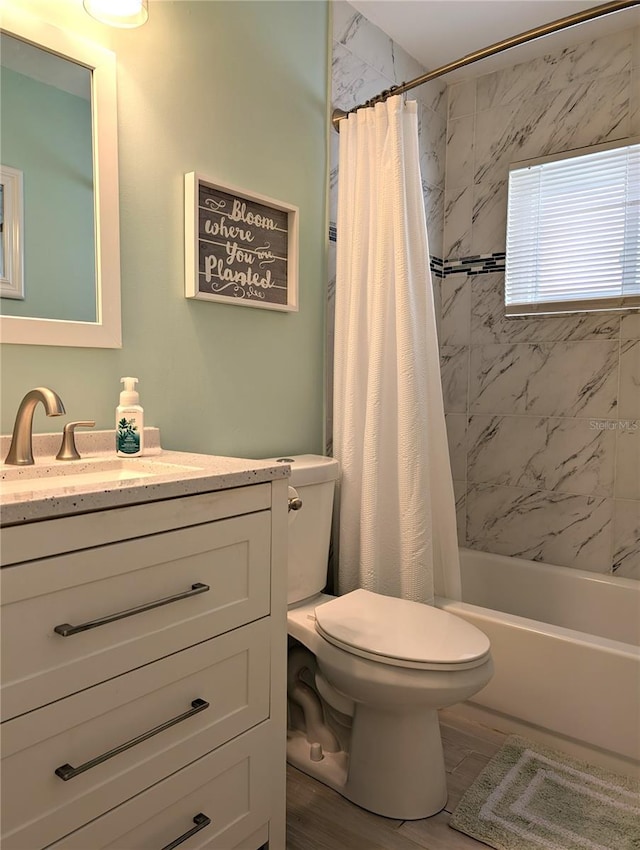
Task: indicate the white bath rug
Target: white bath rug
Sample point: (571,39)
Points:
(530,797)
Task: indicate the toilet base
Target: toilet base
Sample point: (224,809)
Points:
(396,763)
(400,776)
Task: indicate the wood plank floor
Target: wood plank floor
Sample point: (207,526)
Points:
(318,818)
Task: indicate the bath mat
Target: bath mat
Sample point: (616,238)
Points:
(530,797)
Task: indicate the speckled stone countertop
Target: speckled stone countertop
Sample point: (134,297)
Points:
(92,485)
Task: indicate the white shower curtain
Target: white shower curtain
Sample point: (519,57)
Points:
(397,511)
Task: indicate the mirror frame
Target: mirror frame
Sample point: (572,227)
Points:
(106,332)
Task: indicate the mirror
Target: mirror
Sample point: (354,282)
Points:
(59,246)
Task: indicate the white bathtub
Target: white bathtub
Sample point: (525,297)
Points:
(565,648)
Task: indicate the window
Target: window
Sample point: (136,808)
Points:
(573,231)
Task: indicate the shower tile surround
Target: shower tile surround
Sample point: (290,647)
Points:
(543,413)
(365,62)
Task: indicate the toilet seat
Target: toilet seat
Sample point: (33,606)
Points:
(401,632)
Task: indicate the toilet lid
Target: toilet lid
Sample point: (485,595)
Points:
(401,632)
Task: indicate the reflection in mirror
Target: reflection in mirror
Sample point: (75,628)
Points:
(11,228)
(58,130)
(45,115)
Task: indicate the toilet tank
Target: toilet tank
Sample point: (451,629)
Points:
(314,478)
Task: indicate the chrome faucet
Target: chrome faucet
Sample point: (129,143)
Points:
(21,449)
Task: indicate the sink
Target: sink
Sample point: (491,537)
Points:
(93,474)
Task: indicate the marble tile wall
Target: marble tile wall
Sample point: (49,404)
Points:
(543,413)
(366,62)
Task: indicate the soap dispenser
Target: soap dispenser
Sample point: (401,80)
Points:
(129,421)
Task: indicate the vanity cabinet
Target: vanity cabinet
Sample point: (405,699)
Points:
(144,675)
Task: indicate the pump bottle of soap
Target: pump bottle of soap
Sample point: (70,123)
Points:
(129,421)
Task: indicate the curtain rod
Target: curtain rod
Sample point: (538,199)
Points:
(492,50)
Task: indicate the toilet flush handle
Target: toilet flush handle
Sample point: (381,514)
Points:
(294,502)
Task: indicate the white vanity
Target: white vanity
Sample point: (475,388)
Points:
(144,654)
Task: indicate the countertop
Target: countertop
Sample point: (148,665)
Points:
(194,473)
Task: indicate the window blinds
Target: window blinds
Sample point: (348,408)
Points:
(573,233)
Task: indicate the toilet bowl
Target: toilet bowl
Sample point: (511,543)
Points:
(367,673)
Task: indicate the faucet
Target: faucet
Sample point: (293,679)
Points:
(21,449)
(68,450)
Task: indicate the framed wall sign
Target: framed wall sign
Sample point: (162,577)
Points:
(240,248)
(11,233)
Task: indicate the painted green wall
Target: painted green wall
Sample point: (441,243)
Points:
(59,241)
(237,91)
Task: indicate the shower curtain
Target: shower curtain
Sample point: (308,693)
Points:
(397,512)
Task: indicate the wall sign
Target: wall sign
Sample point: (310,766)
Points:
(240,248)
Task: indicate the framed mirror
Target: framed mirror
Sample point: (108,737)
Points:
(60,241)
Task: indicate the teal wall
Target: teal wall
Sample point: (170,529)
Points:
(237,91)
(57,168)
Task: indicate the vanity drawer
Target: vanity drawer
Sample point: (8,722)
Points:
(230,786)
(195,700)
(228,561)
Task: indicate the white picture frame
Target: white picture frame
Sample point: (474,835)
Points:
(12,233)
(241,248)
(106,331)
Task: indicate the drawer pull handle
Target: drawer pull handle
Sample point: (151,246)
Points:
(66,771)
(65,629)
(200,821)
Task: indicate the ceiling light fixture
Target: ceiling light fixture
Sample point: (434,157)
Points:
(118,13)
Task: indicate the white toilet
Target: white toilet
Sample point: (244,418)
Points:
(367,673)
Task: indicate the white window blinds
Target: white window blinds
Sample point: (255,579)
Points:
(573,232)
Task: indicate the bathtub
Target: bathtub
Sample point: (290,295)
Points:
(565,648)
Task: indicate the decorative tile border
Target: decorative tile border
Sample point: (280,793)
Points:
(437,267)
(476,264)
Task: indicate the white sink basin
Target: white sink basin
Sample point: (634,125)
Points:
(66,476)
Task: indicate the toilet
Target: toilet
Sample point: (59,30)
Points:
(367,673)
